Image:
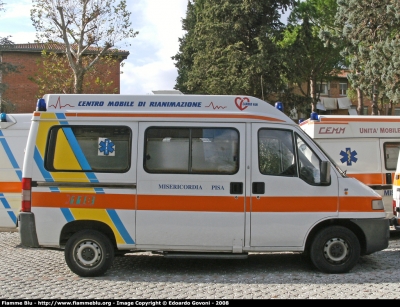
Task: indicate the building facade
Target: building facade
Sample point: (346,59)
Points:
(23,93)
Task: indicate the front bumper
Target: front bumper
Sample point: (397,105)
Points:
(377,234)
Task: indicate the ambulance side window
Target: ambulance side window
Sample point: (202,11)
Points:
(391,151)
(88,149)
(309,162)
(276,154)
(191,150)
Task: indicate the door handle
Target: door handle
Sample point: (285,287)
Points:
(258,188)
(236,188)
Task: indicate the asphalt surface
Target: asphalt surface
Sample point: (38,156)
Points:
(35,273)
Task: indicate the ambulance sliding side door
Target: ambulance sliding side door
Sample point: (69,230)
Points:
(191,185)
(287,198)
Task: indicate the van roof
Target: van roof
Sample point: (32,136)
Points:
(351,126)
(20,121)
(164,106)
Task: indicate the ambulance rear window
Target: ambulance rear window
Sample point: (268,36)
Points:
(391,154)
(88,149)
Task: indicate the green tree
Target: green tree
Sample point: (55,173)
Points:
(184,58)
(229,47)
(308,58)
(82,25)
(370,32)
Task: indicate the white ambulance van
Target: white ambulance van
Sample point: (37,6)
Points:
(188,176)
(14,130)
(365,147)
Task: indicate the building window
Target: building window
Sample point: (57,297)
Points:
(396,111)
(322,88)
(342,89)
(365,111)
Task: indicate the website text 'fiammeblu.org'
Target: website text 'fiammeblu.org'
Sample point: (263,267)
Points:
(116,302)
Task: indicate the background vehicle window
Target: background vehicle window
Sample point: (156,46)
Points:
(276,153)
(192,150)
(89,148)
(391,154)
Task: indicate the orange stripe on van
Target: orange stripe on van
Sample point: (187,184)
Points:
(313,204)
(83,200)
(202,203)
(356,204)
(376,178)
(191,203)
(174,115)
(230,204)
(10,187)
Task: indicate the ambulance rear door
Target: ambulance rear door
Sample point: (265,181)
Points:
(389,153)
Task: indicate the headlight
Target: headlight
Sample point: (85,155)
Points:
(377,204)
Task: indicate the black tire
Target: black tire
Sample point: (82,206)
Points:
(89,253)
(335,250)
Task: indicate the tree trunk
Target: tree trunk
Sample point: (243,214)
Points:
(390,108)
(375,102)
(360,100)
(78,83)
(313,95)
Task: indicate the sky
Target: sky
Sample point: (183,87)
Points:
(149,65)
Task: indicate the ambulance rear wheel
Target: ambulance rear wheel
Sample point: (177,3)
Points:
(89,253)
(335,250)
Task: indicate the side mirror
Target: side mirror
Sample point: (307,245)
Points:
(325,172)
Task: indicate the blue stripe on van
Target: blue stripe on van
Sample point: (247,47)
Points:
(19,174)
(120,226)
(61,116)
(40,164)
(4,201)
(80,156)
(92,177)
(67,214)
(9,153)
(99,190)
(12,216)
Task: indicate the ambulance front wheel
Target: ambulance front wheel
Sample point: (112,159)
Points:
(89,253)
(335,250)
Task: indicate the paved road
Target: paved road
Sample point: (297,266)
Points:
(28,273)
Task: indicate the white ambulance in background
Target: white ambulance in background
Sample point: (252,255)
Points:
(14,130)
(187,176)
(396,197)
(365,147)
